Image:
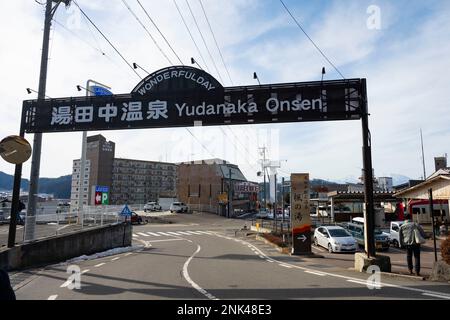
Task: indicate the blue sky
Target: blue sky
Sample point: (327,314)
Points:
(405,64)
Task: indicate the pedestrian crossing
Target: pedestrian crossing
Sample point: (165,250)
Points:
(184,233)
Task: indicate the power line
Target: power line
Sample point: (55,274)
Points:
(146,30)
(215,40)
(190,34)
(162,35)
(204,42)
(315,45)
(107,40)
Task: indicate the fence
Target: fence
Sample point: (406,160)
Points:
(48,222)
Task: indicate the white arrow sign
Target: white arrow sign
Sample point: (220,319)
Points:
(302,237)
(98,198)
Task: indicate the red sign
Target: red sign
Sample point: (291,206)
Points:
(98,198)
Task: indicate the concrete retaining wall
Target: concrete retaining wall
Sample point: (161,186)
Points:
(60,248)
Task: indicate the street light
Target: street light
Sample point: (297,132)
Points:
(193,61)
(136,66)
(323,72)
(255,76)
(30,91)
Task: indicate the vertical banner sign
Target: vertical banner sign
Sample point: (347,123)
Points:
(300,219)
(101,195)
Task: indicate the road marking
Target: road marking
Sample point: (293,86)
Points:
(154,234)
(360,281)
(184,233)
(164,234)
(128,254)
(99,265)
(284,265)
(53,297)
(205,232)
(364,283)
(316,273)
(116,258)
(194,233)
(166,240)
(67,225)
(436,296)
(84,271)
(143,234)
(135,235)
(65,284)
(190,281)
(174,233)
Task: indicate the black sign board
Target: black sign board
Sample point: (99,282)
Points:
(185,96)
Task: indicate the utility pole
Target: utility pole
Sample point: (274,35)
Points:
(430,199)
(423,156)
(263,164)
(230,196)
(30,221)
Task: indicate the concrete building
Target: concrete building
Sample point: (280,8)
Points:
(385,184)
(200,184)
(440,163)
(128,181)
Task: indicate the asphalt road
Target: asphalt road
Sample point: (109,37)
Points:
(199,257)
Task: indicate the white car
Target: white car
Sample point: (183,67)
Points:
(152,206)
(178,207)
(335,239)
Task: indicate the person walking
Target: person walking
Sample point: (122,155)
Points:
(411,237)
(6,291)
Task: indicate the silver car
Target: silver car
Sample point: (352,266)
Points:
(335,239)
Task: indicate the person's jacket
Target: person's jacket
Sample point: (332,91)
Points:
(407,236)
(6,291)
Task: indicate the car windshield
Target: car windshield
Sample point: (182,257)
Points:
(339,233)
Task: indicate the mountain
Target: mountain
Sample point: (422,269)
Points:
(59,187)
(398,179)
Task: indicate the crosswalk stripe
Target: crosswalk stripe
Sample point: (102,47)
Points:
(205,232)
(154,234)
(184,233)
(135,235)
(143,234)
(164,234)
(194,232)
(173,233)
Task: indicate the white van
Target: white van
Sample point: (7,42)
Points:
(394,233)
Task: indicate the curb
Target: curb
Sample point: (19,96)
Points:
(404,276)
(281,250)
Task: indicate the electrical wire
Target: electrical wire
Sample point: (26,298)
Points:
(190,34)
(148,32)
(311,40)
(107,40)
(162,35)
(204,41)
(215,41)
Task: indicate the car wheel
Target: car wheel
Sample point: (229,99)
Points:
(316,243)
(395,243)
(330,248)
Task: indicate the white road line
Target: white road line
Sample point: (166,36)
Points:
(262,257)
(65,284)
(194,232)
(116,258)
(135,235)
(67,225)
(84,271)
(154,234)
(191,282)
(53,297)
(143,234)
(174,233)
(128,254)
(360,281)
(286,266)
(316,273)
(209,233)
(166,240)
(164,234)
(436,296)
(184,233)
(364,283)
(99,265)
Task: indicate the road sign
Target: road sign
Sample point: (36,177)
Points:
(15,149)
(185,96)
(300,218)
(101,195)
(223,197)
(126,211)
(100,91)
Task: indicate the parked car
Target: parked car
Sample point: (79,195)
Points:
(20,218)
(152,206)
(179,207)
(357,231)
(262,214)
(394,233)
(135,218)
(335,239)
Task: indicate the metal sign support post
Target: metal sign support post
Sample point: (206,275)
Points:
(369,219)
(16,196)
(430,195)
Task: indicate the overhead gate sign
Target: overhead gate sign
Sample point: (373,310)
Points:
(185,96)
